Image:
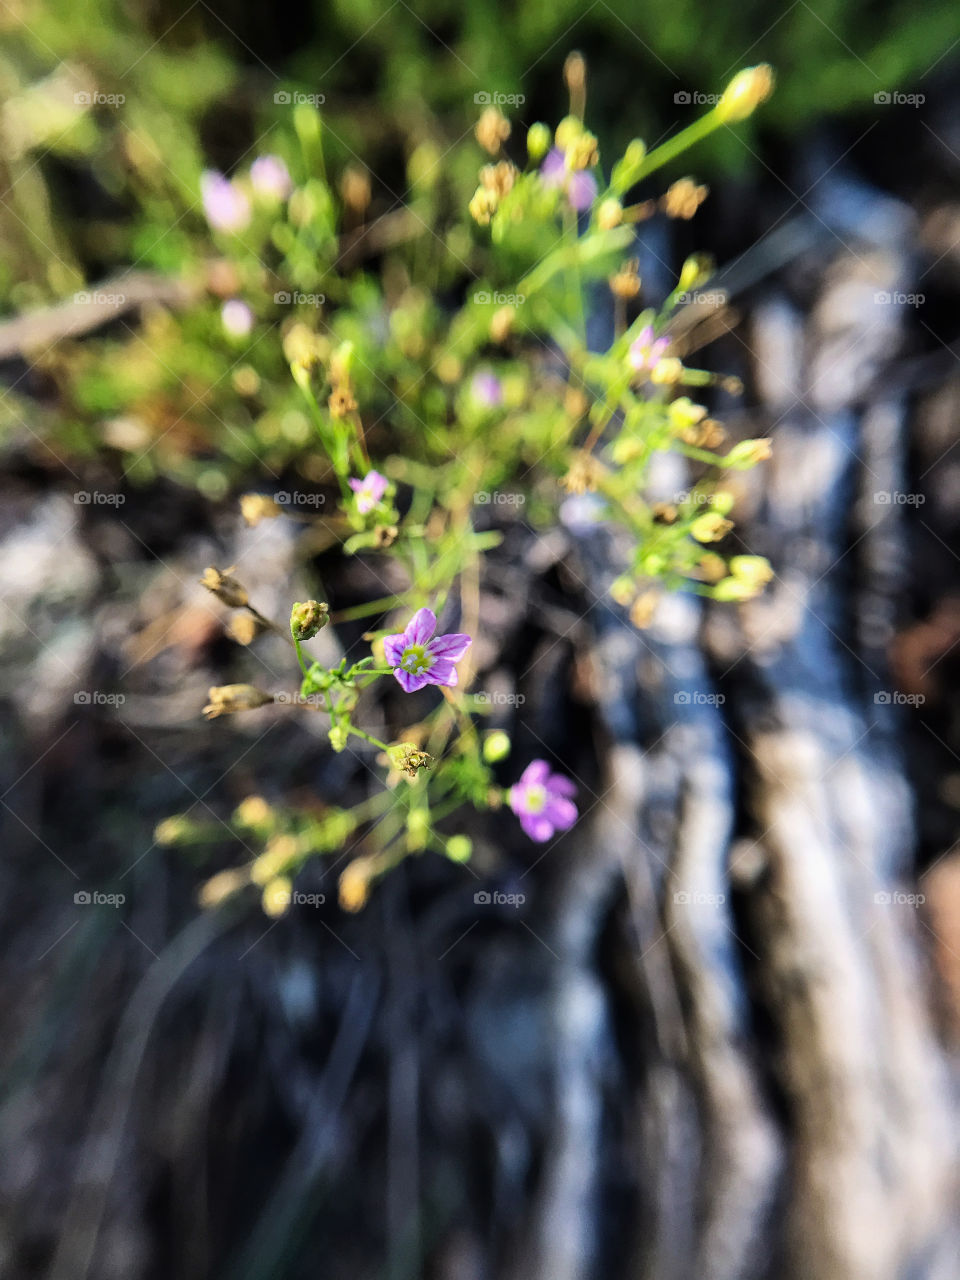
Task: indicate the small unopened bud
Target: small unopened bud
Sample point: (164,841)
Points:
(459,848)
(623,590)
(643,608)
(745,92)
(385,535)
(255,507)
(337,733)
(252,812)
(173,830)
(244,628)
(667,371)
(501,323)
(710,527)
(226,588)
(683,198)
(575,72)
(222,886)
(755,570)
(407,758)
(276,897)
(609,214)
(226,699)
(355,189)
(341,401)
(496,746)
(538,142)
(307,618)
(354,888)
(483,205)
(747,454)
(492,129)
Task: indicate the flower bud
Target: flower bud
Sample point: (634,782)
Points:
(307,618)
(354,888)
(492,129)
(538,142)
(255,507)
(227,589)
(407,758)
(222,886)
(609,214)
(710,527)
(459,848)
(745,92)
(228,698)
(496,746)
(276,897)
(747,454)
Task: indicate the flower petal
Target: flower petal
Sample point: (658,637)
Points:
(452,646)
(582,189)
(536,826)
(535,774)
(355,485)
(409,682)
(558,785)
(421,627)
(393,647)
(560,813)
(442,672)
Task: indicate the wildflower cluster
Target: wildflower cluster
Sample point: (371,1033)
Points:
(419,409)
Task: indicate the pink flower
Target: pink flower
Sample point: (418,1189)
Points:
(225,205)
(646,350)
(369,491)
(418,660)
(579,185)
(270,177)
(542,801)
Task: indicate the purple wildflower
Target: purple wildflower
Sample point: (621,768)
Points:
(419,658)
(579,185)
(486,389)
(369,491)
(646,350)
(225,205)
(542,801)
(236,317)
(270,177)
